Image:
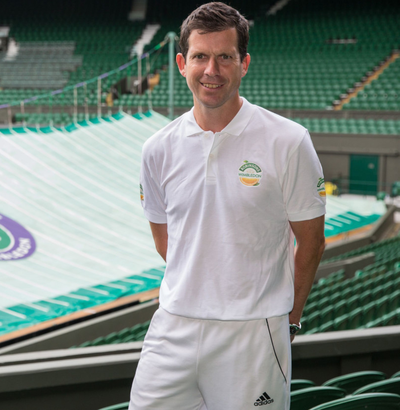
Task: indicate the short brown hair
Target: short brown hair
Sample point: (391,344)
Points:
(212,17)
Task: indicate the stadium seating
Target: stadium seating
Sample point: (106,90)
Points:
(381,94)
(370,299)
(351,382)
(120,406)
(133,334)
(372,401)
(306,398)
(309,70)
(296,65)
(338,393)
(299,384)
(64,47)
(384,386)
(350,126)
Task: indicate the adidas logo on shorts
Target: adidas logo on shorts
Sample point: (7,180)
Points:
(263,400)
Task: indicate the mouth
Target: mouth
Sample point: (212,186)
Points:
(211,86)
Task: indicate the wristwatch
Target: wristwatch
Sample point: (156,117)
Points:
(293,328)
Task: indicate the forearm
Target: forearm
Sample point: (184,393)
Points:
(306,263)
(160,236)
(310,245)
(162,252)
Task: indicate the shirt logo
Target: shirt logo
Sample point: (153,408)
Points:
(321,187)
(250,174)
(141,193)
(263,400)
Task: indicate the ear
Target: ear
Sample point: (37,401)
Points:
(245,64)
(180,60)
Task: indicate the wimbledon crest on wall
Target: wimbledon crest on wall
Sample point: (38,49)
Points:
(15,241)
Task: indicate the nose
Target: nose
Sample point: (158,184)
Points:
(212,68)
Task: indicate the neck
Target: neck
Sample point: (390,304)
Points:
(216,119)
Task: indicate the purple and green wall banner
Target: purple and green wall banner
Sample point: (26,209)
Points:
(15,241)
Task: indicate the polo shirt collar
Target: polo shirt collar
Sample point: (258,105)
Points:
(190,127)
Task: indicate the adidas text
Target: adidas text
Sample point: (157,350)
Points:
(263,400)
(262,403)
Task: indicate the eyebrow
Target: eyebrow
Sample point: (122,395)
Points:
(197,52)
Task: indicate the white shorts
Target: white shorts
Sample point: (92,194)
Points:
(194,364)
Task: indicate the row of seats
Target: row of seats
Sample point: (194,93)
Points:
(360,390)
(381,249)
(131,334)
(350,126)
(370,299)
(54,118)
(157,99)
(385,92)
(354,391)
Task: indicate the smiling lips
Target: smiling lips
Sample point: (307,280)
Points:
(212,85)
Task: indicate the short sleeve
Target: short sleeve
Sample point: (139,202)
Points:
(303,183)
(151,195)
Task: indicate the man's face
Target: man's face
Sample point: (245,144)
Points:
(212,68)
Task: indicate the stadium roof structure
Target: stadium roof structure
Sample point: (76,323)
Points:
(72,232)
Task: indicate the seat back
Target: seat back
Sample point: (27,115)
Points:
(370,401)
(384,386)
(306,398)
(298,384)
(353,381)
(120,406)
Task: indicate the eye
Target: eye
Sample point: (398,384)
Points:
(199,56)
(225,57)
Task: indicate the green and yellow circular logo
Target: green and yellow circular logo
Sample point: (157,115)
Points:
(250,174)
(321,188)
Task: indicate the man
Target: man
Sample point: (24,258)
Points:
(224,187)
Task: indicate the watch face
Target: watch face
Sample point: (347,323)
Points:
(294,329)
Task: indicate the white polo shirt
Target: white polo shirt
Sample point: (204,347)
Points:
(228,198)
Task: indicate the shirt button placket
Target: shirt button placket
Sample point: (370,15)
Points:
(210,176)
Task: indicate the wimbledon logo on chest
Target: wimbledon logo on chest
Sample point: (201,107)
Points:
(15,241)
(250,174)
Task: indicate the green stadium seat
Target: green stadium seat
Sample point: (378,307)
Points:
(324,303)
(392,318)
(340,308)
(371,401)
(120,406)
(328,326)
(306,398)
(391,385)
(327,314)
(340,322)
(394,301)
(355,318)
(369,312)
(298,384)
(397,374)
(353,381)
(313,322)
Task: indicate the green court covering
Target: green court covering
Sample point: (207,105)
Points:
(72,231)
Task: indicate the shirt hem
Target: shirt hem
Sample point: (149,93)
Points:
(157,219)
(307,215)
